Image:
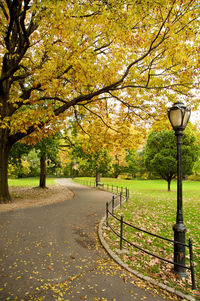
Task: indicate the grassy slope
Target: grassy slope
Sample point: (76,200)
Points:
(151,207)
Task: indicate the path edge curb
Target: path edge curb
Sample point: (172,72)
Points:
(134,272)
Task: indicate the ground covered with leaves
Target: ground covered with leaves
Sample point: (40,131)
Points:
(25,196)
(156,215)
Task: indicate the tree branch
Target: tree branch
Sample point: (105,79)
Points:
(4,10)
(108,126)
(76,117)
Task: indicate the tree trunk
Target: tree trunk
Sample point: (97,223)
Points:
(4,154)
(97,177)
(169,182)
(43,172)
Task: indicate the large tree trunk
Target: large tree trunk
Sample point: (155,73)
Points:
(43,172)
(4,153)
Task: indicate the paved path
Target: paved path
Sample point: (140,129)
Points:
(53,253)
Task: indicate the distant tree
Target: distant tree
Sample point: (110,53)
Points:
(118,166)
(131,161)
(47,150)
(161,153)
(17,152)
(90,164)
(33,161)
(141,164)
(196,168)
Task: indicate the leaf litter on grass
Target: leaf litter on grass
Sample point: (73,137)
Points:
(147,219)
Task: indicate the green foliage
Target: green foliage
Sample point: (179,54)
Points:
(34,163)
(196,169)
(17,166)
(25,159)
(84,164)
(17,151)
(48,148)
(131,161)
(161,153)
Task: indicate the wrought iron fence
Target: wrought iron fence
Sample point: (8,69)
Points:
(124,191)
(110,206)
(122,194)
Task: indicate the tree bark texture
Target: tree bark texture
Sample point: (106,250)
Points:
(4,153)
(169,182)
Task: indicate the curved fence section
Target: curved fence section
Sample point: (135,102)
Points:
(110,206)
(121,195)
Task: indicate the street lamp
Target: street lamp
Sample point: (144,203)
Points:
(179,116)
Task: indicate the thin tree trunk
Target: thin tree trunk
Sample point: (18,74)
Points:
(43,172)
(4,153)
(169,182)
(97,177)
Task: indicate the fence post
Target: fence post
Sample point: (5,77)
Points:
(117,189)
(121,232)
(113,200)
(126,193)
(120,199)
(122,190)
(107,214)
(191,264)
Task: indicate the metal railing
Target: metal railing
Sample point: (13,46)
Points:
(122,194)
(124,191)
(110,206)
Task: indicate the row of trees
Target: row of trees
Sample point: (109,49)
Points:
(157,158)
(119,60)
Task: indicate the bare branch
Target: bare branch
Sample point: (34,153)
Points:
(107,125)
(69,140)
(87,15)
(187,85)
(76,116)
(152,46)
(103,47)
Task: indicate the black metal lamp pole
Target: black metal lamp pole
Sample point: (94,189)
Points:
(179,228)
(179,116)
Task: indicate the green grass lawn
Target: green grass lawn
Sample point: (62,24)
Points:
(152,208)
(29,182)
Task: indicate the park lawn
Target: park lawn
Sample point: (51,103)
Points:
(152,208)
(29,182)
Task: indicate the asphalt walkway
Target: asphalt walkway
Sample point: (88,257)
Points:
(53,253)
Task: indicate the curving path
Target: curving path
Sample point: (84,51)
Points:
(53,253)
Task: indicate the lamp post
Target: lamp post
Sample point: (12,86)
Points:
(179,116)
